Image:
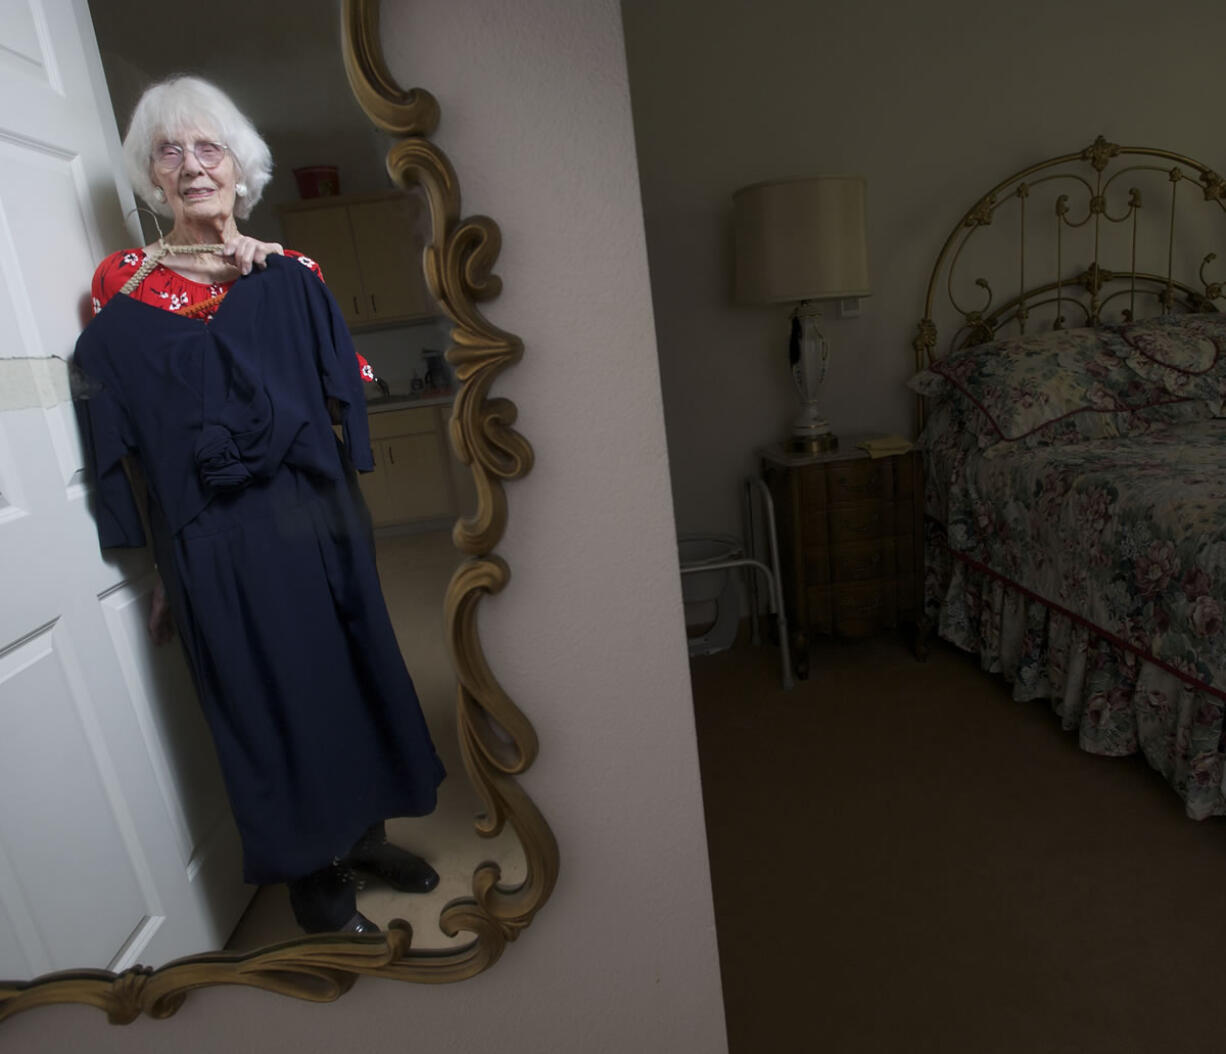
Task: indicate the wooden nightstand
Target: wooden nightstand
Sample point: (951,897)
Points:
(851,547)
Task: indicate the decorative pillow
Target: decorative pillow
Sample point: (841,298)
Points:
(1186,354)
(1060,386)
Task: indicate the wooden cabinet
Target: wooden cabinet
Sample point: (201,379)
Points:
(412,479)
(370,249)
(850,543)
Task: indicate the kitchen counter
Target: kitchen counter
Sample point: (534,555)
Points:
(381,403)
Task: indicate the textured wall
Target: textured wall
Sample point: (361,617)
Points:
(934,103)
(588,636)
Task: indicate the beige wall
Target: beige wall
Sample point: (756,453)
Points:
(588,636)
(933,103)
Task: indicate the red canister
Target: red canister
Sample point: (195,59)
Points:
(318,181)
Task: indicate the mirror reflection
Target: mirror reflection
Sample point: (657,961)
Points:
(282,640)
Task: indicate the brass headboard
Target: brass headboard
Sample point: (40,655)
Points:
(1119,240)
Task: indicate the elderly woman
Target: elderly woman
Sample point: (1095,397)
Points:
(212,359)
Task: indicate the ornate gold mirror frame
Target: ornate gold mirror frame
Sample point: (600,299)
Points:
(497,741)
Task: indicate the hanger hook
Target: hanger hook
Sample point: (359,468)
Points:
(152,214)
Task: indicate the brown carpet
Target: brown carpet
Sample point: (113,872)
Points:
(904,859)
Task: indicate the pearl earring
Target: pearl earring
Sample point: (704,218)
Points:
(159,195)
(240,190)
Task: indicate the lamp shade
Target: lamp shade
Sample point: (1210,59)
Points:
(800,239)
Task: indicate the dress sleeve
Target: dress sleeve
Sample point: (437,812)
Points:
(338,367)
(111,275)
(108,437)
(364,368)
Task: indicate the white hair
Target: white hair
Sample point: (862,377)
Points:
(184,104)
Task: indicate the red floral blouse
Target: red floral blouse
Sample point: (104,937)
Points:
(168,289)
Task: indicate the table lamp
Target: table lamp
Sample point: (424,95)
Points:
(801,241)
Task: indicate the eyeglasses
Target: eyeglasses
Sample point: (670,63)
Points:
(169,156)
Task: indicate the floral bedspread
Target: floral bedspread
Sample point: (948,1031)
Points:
(1128,534)
(1094,574)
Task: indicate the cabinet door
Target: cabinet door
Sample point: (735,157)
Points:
(324,235)
(417,478)
(388,239)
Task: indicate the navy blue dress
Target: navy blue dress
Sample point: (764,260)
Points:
(266,551)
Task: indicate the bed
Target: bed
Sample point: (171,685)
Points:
(1074,438)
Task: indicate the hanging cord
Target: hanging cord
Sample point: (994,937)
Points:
(154,258)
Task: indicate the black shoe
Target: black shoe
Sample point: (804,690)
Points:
(374,855)
(406,872)
(325,900)
(360,924)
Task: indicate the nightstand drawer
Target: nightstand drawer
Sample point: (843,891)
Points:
(814,530)
(857,481)
(811,482)
(853,562)
(854,609)
(861,560)
(860,523)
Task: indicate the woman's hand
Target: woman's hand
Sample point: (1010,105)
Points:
(244,253)
(161,622)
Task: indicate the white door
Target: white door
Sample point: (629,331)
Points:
(116,842)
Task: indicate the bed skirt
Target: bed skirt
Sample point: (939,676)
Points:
(1117,701)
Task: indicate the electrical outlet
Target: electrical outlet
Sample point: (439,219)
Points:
(849,307)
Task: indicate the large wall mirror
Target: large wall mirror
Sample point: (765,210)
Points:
(121,872)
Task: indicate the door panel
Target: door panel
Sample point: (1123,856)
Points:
(60,788)
(164,704)
(21,50)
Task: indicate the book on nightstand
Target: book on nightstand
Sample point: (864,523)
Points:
(885,446)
